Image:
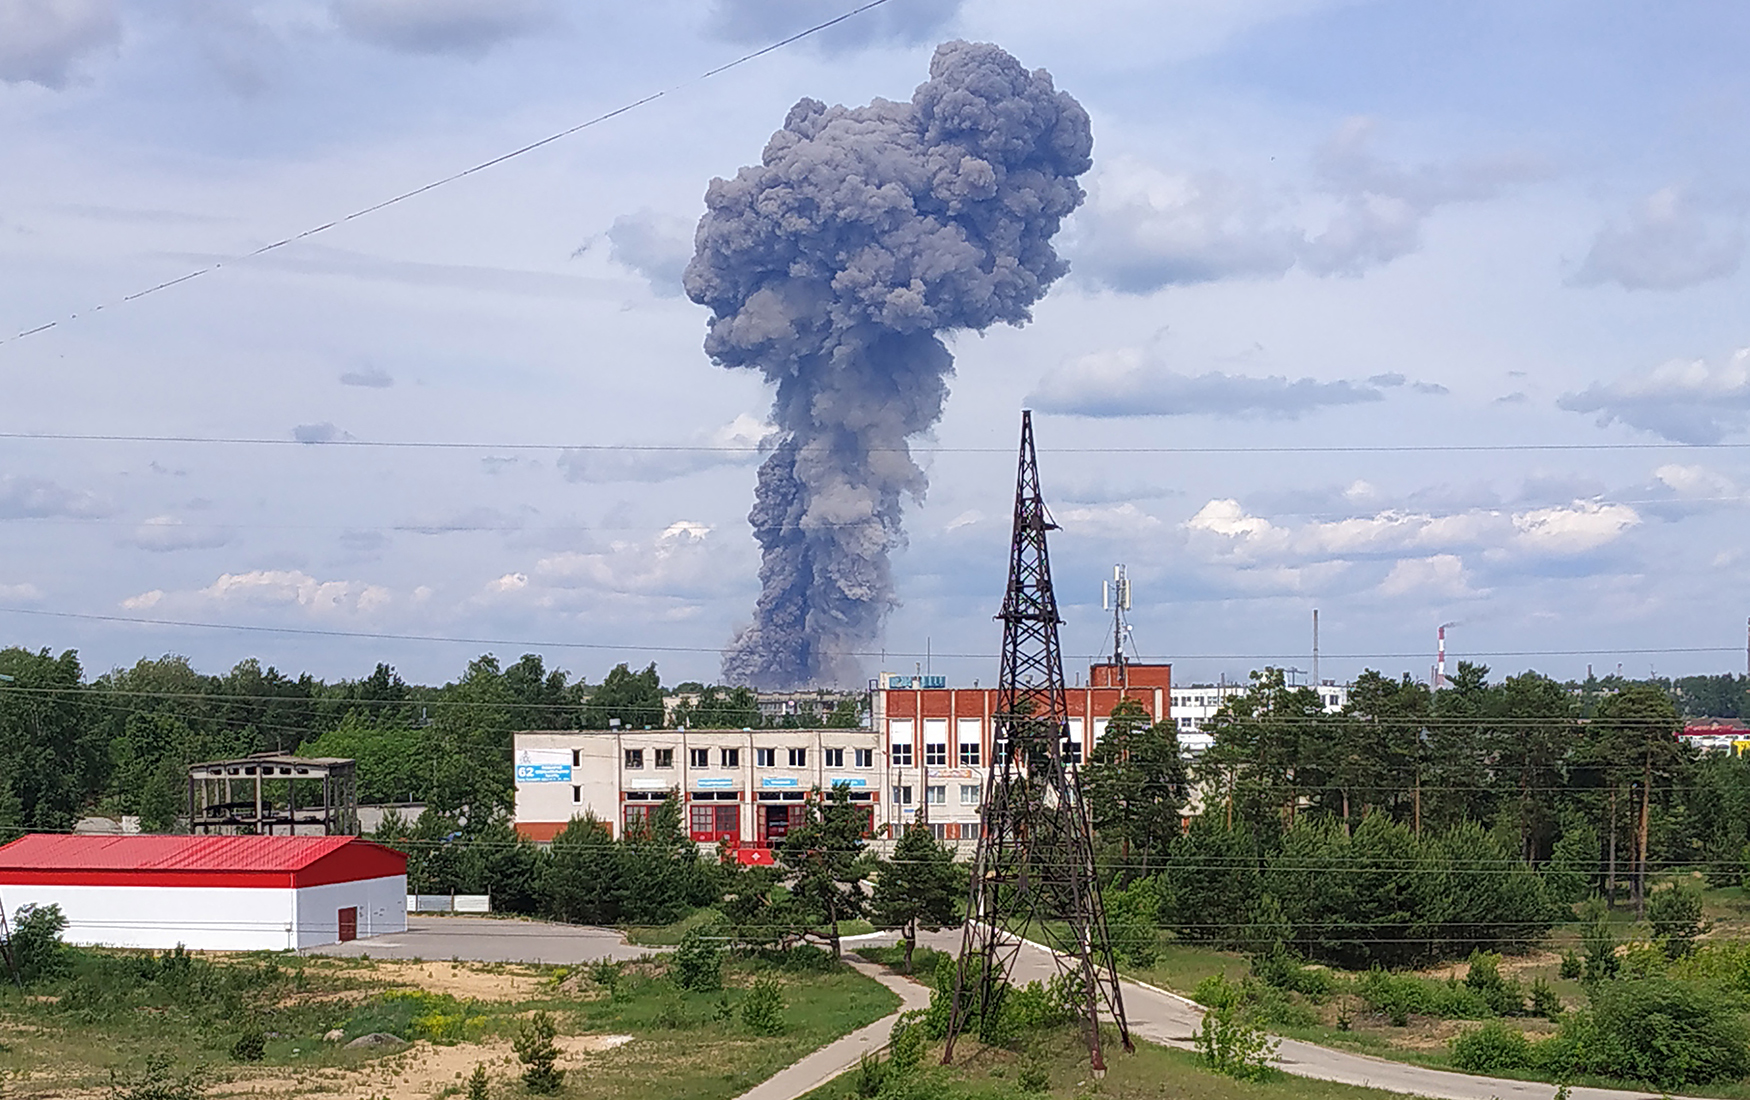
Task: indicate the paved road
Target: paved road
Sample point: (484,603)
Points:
(843,1054)
(490,939)
(1171,1020)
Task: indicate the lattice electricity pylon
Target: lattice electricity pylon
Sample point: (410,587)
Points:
(1034,867)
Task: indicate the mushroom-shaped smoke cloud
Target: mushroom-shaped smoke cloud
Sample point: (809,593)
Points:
(833,267)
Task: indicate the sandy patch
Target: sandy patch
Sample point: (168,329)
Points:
(465,981)
(418,1073)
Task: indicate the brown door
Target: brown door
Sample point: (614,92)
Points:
(349,923)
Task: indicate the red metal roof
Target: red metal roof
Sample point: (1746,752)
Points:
(198,860)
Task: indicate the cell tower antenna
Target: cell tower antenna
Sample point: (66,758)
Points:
(1115,597)
(1033,872)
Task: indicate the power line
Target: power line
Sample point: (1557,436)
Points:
(754,449)
(888,653)
(466,172)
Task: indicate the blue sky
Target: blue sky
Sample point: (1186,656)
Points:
(1309,225)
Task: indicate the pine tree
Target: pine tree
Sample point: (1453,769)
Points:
(916,888)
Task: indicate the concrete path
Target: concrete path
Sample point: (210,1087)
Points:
(489,939)
(843,1054)
(1172,1020)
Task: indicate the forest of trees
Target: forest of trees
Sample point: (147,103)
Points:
(118,743)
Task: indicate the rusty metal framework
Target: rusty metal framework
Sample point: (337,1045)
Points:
(239,796)
(1033,873)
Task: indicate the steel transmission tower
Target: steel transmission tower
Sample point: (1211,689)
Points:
(1034,868)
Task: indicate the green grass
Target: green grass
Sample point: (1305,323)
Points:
(923,960)
(668,935)
(1151,1072)
(691,1046)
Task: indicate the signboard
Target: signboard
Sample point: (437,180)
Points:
(543,766)
(715,782)
(780,781)
(849,781)
(907,683)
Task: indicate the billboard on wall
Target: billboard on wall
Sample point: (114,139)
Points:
(543,766)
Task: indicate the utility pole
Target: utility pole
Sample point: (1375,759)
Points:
(1033,872)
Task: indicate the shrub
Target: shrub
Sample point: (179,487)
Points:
(697,963)
(250,1046)
(1502,995)
(1675,915)
(36,944)
(871,1075)
(536,1050)
(1033,1076)
(1494,1049)
(1231,1045)
(1544,1001)
(156,1082)
(477,1083)
(907,1043)
(1273,1007)
(1284,970)
(1669,1034)
(1216,991)
(1573,966)
(1035,1007)
(1598,941)
(1642,960)
(763,1008)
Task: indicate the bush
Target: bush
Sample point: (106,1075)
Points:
(536,1050)
(907,1043)
(36,944)
(1544,1001)
(697,963)
(1273,1007)
(1675,915)
(1573,966)
(250,1046)
(763,1009)
(1494,1050)
(871,1075)
(477,1083)
(1216,991)
(1598,941)
(1502,995)
(1231,1045)
(1284,970)
(156,1082)
(1669,1034)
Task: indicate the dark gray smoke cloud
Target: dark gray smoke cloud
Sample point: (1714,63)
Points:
(833,267)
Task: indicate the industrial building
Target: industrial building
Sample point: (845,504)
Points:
(1194,705)
(926,753)
(209,893)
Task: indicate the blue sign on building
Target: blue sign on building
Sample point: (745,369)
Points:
(543,773)
(849,781)
(780,781)
(714,782)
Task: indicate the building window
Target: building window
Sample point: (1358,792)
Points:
(577,758)
(936,795)
(1072,751)
(701,758)
(665,758)
(731,758)
(902,754)
(939,831)
(865,758)
(634,758)
(702,818)
(862,796)
(935,755)
(969,756)
(764,758)
(835,758)
(969,830)
(798,758)
(636,820)
(1184,723)
(577,794)
(969,793)
(902,796)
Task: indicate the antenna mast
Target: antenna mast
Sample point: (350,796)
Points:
(1115,597)
(1034,868)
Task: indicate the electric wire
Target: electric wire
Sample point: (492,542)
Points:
(466,172)
(641,647)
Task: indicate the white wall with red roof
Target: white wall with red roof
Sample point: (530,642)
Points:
(209,893)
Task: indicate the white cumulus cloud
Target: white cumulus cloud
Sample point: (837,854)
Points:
(1689,401)
(1668,242)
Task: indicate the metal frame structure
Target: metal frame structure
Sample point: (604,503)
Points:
(214,808)
(1034,868)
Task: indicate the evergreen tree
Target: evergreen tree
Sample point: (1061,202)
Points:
(917,887)
(1135,785)
(824,859)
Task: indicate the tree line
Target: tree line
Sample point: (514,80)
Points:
(119,742)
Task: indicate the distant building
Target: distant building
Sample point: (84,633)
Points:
(1715,737)
(1195,704)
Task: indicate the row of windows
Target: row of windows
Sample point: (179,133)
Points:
(731,758)
(935,755)
(935,795)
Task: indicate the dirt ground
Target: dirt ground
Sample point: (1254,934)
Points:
(466,981)
(420,1072)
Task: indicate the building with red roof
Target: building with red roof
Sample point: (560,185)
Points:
(211,893)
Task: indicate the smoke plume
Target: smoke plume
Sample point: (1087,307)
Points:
(834,267)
